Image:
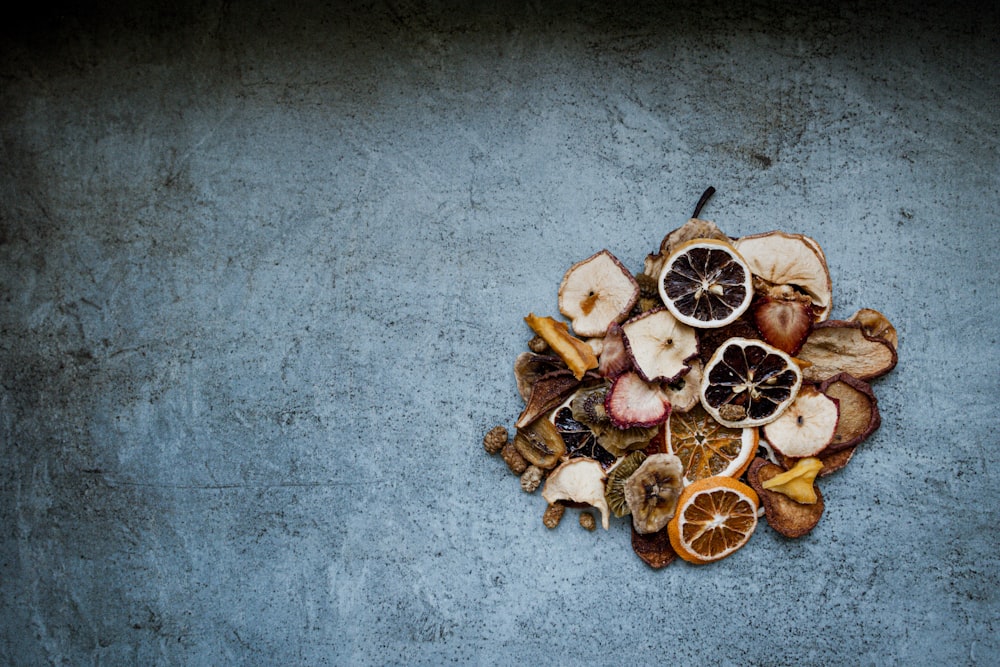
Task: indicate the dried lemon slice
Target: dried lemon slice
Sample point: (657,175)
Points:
(748,383)
(706,284)
(706,448)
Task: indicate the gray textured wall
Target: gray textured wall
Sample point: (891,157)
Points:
(262,275)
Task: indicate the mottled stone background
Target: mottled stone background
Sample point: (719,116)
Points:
(262,275)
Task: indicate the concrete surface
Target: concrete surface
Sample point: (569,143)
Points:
(263,270)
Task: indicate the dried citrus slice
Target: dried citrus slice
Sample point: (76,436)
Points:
(706,448)
(748,383)
(705,283)
(715,516)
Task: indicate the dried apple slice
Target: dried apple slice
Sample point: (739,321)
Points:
(632,402)
(684,393)
(596,292)
(876,325)
(794,260)
(838,346)
(859,415)
(579,356)
(784,515)
(578,481)
(660,345)
(807,426)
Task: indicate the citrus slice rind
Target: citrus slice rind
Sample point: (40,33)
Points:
(706,448)
(715,516)
(705,283)
(748,383)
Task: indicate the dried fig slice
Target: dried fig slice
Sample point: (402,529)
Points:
(783,514)
(876,325)
(654,549)
(839,346)
(596,292)
(859,415)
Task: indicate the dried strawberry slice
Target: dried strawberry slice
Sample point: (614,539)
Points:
(631,401)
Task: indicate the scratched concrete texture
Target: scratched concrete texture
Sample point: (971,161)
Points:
(263,273)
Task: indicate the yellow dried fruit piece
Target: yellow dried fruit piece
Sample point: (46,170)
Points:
(579,356)
(797,483)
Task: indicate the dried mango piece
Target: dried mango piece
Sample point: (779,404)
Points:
(579,356)
(797,483)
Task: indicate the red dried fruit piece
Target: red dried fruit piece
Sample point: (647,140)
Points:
(784,317)
(654,549)
(614,358)
(783,514)
(631,401)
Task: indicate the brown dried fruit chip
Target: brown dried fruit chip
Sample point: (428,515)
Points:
(709,340)
(783,514)
(859,415)
(529,366)
(832,461)
(839,346)
(654,549)
(548,391)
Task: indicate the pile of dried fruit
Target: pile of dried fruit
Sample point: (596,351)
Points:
(696,396)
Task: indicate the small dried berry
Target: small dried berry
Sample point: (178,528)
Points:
(553,514)
(513,458)
(538,345)
(494,441)
(588,521)
(531,478)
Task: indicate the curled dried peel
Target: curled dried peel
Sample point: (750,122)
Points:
(839,346)
(790,259)
(579,356)
(578,481)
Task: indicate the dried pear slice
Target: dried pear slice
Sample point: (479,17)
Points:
(652,492)
(614,488)
(795,260)
(783,514)
(596,292)
(660,345)
(859,415)
(876,325)
(839,346)
(579,356)
(578,481)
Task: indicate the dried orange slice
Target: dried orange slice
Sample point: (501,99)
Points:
(706,448)
(748,383)
(705,283)
(715,516)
